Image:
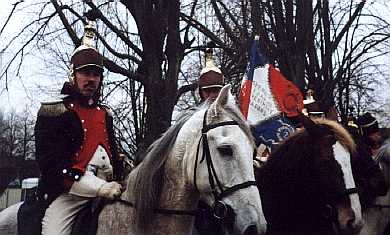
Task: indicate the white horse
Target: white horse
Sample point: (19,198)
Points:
(207,154)
(377,215)
(8,220)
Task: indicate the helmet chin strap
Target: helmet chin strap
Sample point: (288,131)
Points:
(71,75)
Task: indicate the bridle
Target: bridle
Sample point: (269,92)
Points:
(220,209)
(329,211)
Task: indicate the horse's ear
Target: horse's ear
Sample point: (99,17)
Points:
(221,100)
(223,95)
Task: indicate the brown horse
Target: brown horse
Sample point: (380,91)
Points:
(307,187)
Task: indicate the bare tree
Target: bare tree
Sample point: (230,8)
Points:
(152,49)
(15,146)
(141,42)
(312,42)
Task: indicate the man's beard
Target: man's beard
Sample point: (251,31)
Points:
(91,88)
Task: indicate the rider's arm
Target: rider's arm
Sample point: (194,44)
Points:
(57,137)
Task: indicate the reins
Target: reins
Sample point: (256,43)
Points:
(164,211)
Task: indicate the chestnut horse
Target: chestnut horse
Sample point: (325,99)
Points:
(307,186)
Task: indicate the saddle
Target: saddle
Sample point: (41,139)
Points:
(32,211)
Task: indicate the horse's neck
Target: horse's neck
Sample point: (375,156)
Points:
(128,194)
(175,195)
(176,192)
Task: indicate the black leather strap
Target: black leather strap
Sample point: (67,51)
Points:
(165,211)
(216,187)
(236,187)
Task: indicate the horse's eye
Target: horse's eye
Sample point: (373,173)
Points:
(225,150)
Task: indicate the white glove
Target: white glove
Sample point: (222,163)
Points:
(87,186)
(110,190)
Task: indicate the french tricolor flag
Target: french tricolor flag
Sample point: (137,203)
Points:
(267,99)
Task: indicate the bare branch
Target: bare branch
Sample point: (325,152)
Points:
(20,51)
(196,24)
(346,27)
(118,54)
(123,37)
(10,15)
(76,41)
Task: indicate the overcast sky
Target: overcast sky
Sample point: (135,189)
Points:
(34,85)
(26,89)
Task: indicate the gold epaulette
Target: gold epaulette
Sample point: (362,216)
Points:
(52,108)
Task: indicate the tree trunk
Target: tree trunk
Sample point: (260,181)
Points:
(158,25)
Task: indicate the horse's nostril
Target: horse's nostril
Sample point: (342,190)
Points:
(251,230)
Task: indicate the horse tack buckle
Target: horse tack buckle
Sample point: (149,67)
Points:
(220,209)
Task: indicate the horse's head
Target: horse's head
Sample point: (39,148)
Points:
(219,164)
(331,170)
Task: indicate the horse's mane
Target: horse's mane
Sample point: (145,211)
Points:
(341,134)
(150,180)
